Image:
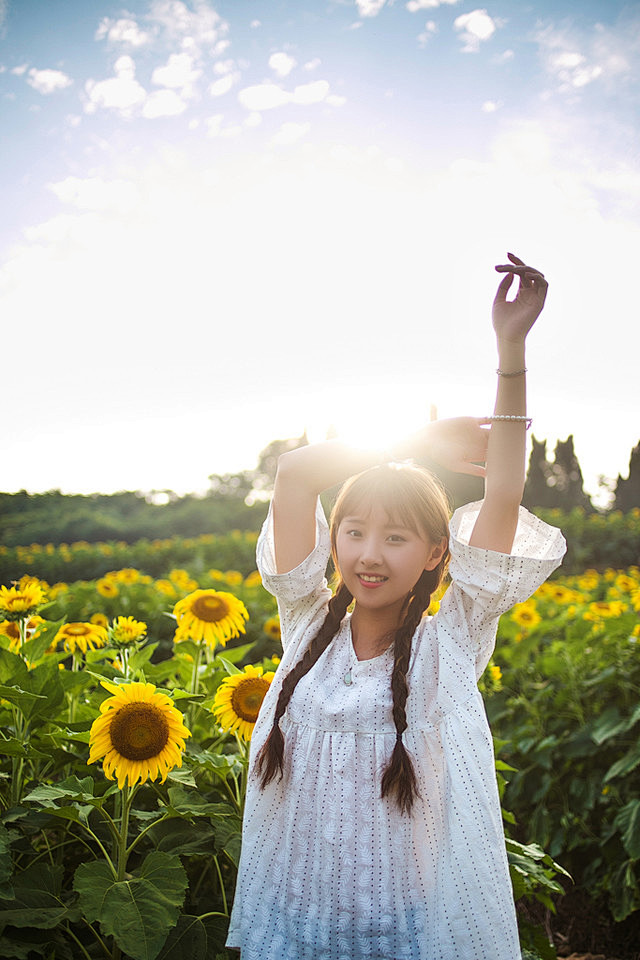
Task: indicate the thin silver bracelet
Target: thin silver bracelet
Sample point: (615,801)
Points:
(516,373)
(515,418)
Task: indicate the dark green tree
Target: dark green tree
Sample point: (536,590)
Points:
(559,484)
(627,491)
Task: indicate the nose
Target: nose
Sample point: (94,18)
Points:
(370,555)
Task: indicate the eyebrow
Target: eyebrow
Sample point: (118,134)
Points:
(387,526)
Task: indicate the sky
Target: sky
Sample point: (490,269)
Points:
(226,222)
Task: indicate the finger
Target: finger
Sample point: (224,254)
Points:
(521,271)
(472,469)
(505,283)
(515,259)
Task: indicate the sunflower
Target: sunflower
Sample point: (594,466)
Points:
(106,587)
(604,610)
(239,698)
(126,631)
(21,601)
(272,628)
(10,629)
(140,735)
(82,636)
(526,615)
(209,615)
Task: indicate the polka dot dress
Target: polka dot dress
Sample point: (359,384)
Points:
(329,870)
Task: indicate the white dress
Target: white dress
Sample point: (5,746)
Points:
(329,870)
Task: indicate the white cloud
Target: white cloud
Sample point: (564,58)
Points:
(290,133)
(48,81)
(124,30)
(413,6)
(94,193)
(267,96)
(281,63)
(575,58)
(474,28)
(197,28)
(178,73)
(490,106)
(370,8)
(19,70)
(430,30)
(163,103)
(313,64)
(219,87)
(121,93)
(308,93)
(263,96)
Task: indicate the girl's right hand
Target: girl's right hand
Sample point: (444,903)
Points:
(458,444)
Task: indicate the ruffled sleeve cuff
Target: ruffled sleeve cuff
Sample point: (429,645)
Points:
(305,579)
(499,580)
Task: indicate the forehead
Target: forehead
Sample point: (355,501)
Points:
(376,513)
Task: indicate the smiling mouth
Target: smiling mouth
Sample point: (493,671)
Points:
(371,578)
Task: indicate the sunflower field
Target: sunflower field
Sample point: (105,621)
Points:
(127,705)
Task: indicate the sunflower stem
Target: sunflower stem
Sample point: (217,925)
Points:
(195,683)
(123,834)
(222,890)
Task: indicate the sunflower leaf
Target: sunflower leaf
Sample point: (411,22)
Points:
(228,666)
(194,938)
(138,912)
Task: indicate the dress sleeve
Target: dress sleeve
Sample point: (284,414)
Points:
(302,592)
(485,584)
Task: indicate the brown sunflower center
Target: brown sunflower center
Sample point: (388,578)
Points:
(209,608)
(247,698)
(77,629)
(139,731)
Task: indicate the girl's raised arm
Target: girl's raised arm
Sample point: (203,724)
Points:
(505,474)
(459,444)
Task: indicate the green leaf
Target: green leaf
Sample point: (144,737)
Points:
(628,822)
(137,912)
(625,764)
(6,866)
(36,648)
(44,682)
(12,667)
(624,892)
(70,788)
(23,699)
(194,938)
(11,747)
(37,902)
(228,666)
(179,837)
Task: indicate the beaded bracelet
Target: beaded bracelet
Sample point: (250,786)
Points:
(515,418)
(516,373)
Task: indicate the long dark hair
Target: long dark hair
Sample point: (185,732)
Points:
(414,498)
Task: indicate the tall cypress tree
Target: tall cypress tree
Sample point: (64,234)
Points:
(627,492)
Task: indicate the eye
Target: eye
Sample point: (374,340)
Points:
(396,538)
(353,533)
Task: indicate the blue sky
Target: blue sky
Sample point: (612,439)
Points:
(227,222)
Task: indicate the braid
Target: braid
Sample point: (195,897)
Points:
(400,777)
(270,760)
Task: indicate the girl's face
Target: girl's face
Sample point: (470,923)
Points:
(381,560)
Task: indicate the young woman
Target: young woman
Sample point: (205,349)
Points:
(372,825)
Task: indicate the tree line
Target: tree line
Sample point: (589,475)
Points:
(238,501)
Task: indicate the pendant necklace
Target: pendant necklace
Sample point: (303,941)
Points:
(348,676)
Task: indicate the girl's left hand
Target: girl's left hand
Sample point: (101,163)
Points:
(512,319)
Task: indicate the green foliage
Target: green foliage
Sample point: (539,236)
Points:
(596,540)
(89,870)
(569,707)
